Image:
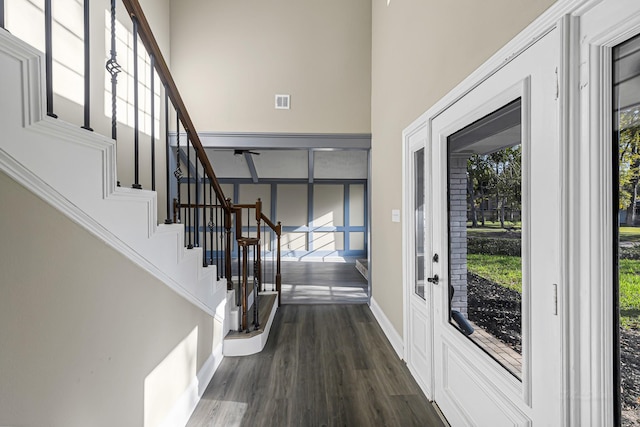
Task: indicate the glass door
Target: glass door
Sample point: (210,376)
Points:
(496,225)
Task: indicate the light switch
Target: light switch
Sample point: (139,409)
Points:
(395,215)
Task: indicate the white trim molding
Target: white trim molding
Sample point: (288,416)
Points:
(281,141)
(392,335)
(602,25)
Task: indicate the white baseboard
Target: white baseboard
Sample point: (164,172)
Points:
(392,335)
(182,410)
(208,369)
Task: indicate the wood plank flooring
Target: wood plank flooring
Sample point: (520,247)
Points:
(316,282)
(322,283)
(324,365)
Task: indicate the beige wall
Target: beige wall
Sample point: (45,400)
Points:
(83,329)
(231,57)
(291,204)
(69,50)
(421,50)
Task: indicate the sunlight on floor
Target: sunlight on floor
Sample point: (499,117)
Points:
(300,294)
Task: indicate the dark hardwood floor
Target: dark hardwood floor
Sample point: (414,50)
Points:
(324,365)
(317,282)
(322,283)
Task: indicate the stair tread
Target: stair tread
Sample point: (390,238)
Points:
(266,302)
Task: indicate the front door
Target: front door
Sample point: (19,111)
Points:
(496,157)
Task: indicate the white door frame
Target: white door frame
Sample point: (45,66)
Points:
(602,25)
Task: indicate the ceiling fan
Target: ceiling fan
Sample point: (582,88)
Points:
(241,152)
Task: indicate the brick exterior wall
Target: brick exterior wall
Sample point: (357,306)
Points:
(458,231)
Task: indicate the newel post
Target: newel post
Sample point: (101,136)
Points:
(228,247)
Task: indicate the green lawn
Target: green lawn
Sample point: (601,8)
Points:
(493,229)
(502,269)
(630,234)
(630,282)
(507,271)
(495,225)
(630,293)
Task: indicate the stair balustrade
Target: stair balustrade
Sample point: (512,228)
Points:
(194,197)
(259,243)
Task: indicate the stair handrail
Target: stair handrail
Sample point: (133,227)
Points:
(149,41)
(142,32)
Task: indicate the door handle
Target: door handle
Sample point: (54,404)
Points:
(435,279)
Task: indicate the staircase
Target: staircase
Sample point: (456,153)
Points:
(74,170)
(48,156)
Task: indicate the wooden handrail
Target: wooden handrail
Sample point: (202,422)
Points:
(244,205)
(146,35)
(263,217)
(149,41)
(276,228)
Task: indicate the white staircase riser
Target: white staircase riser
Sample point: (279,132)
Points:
(75,171)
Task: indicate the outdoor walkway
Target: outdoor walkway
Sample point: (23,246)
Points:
(504,354)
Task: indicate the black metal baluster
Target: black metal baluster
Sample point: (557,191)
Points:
(273,267)
(218,233)
(239,271)
(48,30)
(178,172)
(264,250)
(196,212)
(188,221)
(256,285)
(211,227)
(167,154)
(152,65)
(226,236)
(113,68)
(87,67)
(205,225)
(136,109)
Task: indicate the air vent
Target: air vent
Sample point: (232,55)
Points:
(282,102)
